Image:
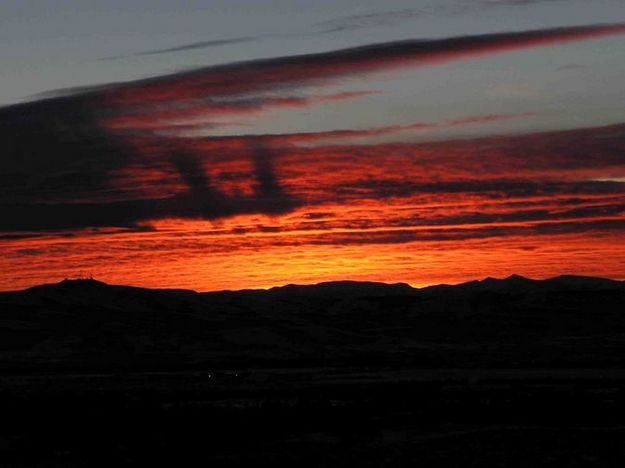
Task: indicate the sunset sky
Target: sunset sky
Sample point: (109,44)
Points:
(246,144)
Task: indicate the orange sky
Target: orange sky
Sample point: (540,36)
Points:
(205,261)
(419,213)
(177,182)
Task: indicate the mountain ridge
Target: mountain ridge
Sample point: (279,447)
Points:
(348,285)
(566,321)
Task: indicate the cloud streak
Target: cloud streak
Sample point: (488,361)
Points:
(116,156)
(367,20)
(342,24)
(318,68)
(337,25)
(540,171)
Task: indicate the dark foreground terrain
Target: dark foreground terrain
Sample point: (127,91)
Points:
(508,372)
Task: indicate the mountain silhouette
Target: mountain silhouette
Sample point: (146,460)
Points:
(569,321)
(341,373)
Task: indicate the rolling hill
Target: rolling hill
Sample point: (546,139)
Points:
(567,321)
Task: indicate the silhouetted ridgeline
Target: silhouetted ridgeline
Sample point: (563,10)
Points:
(516,322)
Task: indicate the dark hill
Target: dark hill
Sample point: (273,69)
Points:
(341,289)
(568,321)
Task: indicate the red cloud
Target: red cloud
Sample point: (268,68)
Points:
(180,115)
(268,74)
(241,88)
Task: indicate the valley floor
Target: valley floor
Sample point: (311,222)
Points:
(314,417)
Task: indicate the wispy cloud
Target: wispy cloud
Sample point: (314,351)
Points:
(301,70)
(353,135)
(94,158)
(513,2)
(348,23)
(171,117)
(198,45)
(336,25)
(367,20)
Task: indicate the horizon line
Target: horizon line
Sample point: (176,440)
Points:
(268,288)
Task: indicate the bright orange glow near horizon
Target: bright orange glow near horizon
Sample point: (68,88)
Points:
(154,183)
(201,256)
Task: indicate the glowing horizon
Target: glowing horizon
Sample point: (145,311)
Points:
(318,167)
